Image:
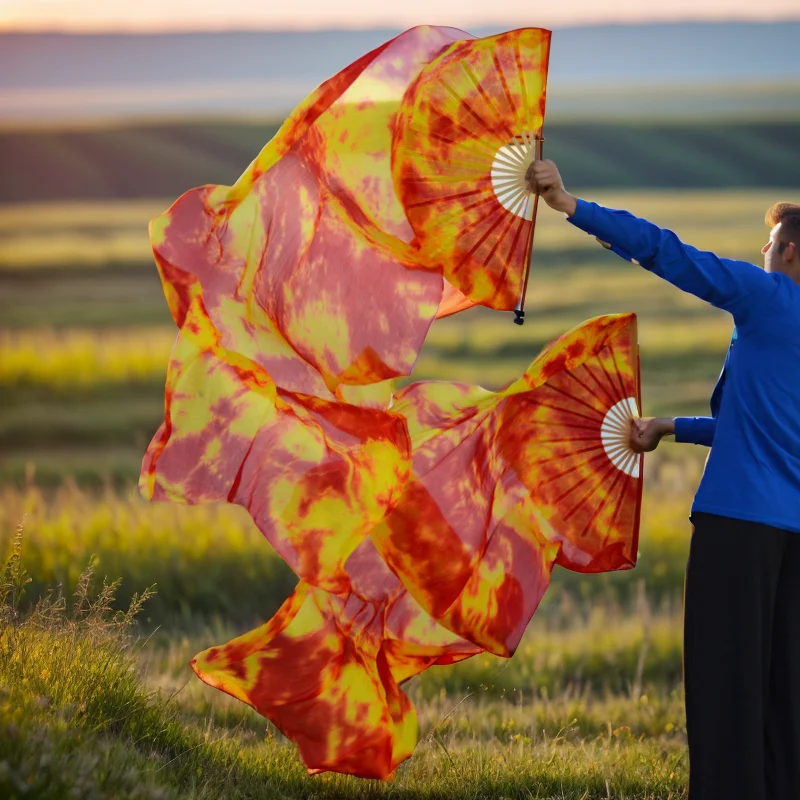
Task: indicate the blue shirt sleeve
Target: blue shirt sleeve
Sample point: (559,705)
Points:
(695,430)
(735,286)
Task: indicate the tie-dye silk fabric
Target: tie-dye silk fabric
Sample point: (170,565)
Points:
(501,486)
(423,524)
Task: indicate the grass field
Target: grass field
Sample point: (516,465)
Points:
(93,705)
(109,161)
(589,707)
(84,347)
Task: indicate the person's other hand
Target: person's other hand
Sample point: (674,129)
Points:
(647,433)
(544,179)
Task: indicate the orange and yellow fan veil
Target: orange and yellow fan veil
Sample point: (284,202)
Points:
(423,524)
(470,127)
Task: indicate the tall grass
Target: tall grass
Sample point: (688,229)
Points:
(84,713)
(211,560)
(208,560)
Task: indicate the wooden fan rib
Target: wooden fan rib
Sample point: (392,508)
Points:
(621,415)
(510,192)
(464,143)
(498,240)
(528,210)
(574,458)
(618,415)
(523,223)
(567,440)
(608,396)
(617,449)
(629,464)
(622,389)
(558,475)
(511,203)
(508,184)
(570,411)
(521,208)
(444,179)
(506,160)
(498,209)
(616,443)
(618,454)
(601,505)
(616,436)
(508,180)
(504,173)
(499,69)
(520,151)
(491,197)
(473,78)
(480,242)
(481,159)
(522,88)
(617,506)
(477,166)
(560,391)
(510,199)
(571,374)
(582,451)
(470,141)
(509,157)
(446,198)
(567,425)
(616,425)
(514,202)
(507,170)
(515,168)
(463,101)
(461,210)
(610,378)
(603,473)
(585,478)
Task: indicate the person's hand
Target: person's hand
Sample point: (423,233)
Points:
(647,433)
(544,179)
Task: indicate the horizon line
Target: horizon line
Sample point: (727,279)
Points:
(133,30)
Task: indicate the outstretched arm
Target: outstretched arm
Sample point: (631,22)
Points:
(695,430)
(735,286)
(647,433)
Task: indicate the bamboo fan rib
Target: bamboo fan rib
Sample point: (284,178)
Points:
(615,435)
(508,172)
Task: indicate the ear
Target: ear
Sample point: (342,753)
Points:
(789,251)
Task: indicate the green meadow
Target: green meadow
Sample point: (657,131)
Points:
(96,695)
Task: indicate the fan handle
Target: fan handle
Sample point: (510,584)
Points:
(519,313)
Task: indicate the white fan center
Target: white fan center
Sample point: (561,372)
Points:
(510,164)
(615,435)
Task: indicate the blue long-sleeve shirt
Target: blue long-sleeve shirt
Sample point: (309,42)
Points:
(753,469)
(700,430)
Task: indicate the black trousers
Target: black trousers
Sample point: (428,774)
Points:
(742,661)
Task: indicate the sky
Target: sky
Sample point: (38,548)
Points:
(97,15)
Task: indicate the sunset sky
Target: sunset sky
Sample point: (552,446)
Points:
(88,15)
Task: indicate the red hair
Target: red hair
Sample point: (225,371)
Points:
(788,215)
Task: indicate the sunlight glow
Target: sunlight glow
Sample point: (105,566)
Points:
(97,15)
